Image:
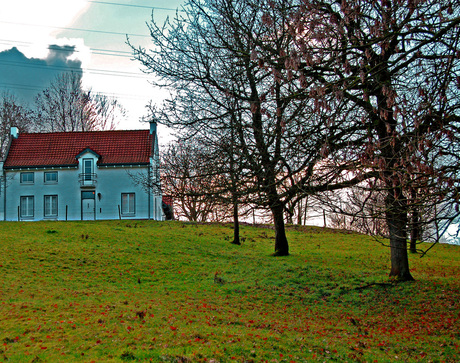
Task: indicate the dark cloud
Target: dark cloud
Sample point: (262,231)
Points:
(58,55)
(25,77)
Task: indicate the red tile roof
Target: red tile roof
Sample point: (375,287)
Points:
(61,148)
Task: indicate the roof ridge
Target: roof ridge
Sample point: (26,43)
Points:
(80,132)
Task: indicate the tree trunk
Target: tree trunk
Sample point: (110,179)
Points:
(281,243)
(299,213)
(396,216)
(289,217)
(415,225)
(236,225)
(414,231)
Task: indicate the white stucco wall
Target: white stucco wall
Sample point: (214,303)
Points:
(110,183)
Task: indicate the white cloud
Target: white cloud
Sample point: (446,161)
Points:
(33,25)
(30,25)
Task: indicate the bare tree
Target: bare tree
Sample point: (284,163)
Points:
(222,59)
(65,106)
(186,178)
(360,208)
(12,114)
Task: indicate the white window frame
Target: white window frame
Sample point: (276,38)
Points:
(26,207)
(23,180)
(128,204)
(48,174)
(50,206)
(88,176)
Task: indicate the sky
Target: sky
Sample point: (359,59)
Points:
(41,39)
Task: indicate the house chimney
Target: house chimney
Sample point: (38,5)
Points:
(153,132)
(14,132)
(153,127)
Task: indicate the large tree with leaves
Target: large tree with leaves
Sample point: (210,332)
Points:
(396,64)
(224,62)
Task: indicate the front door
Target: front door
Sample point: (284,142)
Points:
(88,206)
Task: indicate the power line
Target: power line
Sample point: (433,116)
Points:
(99,31)
(133,5)
(14,42)
(70,68)
(112,53)
(76,29)
(96,51)
(25,87)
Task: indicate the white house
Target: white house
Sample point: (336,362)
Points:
(81,176)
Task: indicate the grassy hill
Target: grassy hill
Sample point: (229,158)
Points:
(178,292)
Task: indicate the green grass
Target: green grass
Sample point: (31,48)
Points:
(121,291)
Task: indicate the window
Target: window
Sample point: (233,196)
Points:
(128,205)
(51,206)
(88,195)
(88,169)
(27,178)
(27,207)
(51,177)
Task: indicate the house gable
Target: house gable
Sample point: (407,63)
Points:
(87,152)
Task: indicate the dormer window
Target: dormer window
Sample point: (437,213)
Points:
(88,176)
(87,160)
(88,169)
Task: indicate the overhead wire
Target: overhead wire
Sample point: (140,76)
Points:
(75,29)
(70,69)
(20,86)
(95,51)
(132,5)
(25,87)
(96,30)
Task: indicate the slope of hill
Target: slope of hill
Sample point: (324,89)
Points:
(180,292)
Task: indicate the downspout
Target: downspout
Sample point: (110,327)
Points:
(14,134)
(148,190)
(153,132)
(4,193)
